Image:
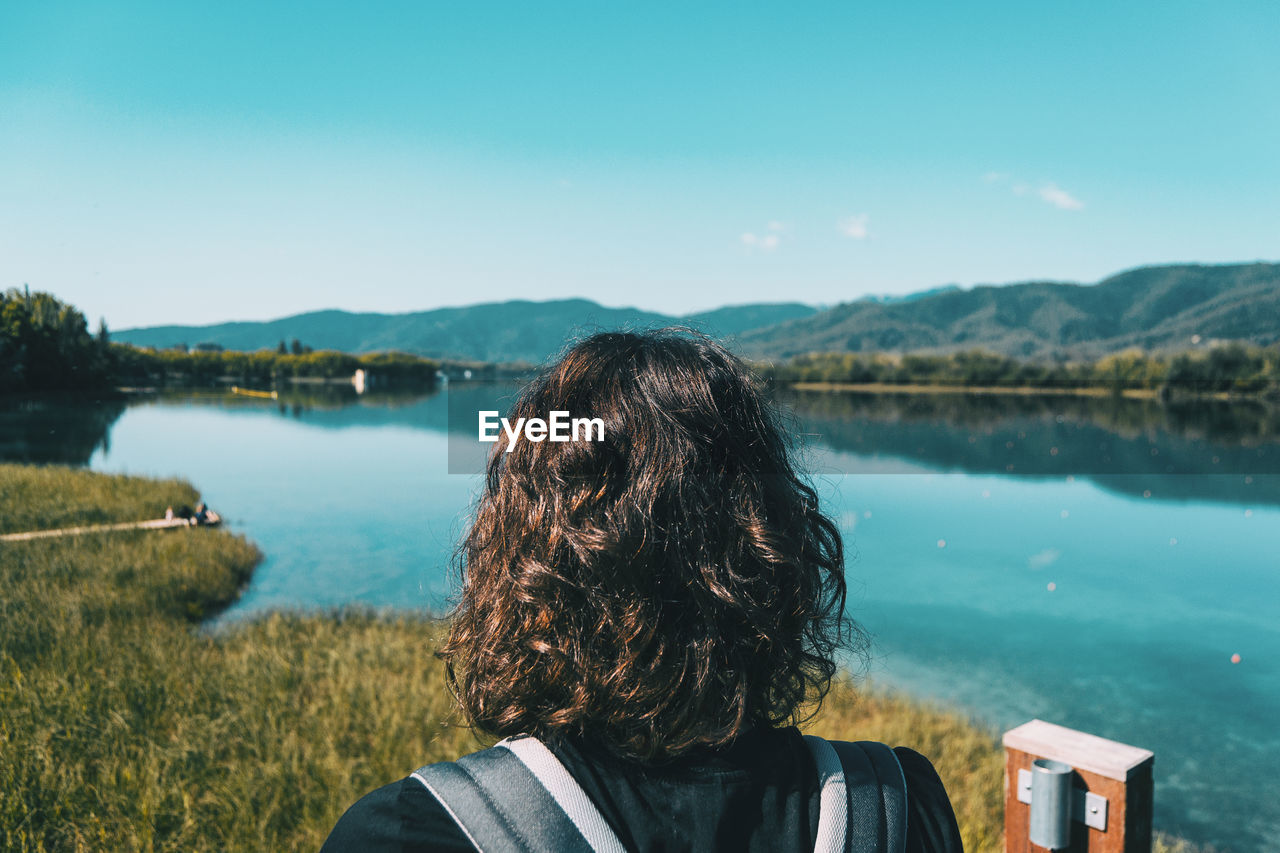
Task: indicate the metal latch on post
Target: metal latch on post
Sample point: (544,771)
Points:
(1086,807)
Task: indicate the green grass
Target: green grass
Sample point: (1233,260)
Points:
(39,498)
(125,726)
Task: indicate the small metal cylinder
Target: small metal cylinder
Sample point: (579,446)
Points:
(1051,803)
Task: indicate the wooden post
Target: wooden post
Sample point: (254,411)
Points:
(1120,773)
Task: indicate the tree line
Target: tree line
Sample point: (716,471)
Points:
(145,366)
(45,345)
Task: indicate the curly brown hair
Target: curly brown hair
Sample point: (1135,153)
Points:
(670,586)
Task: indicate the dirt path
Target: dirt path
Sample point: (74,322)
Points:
(155,524)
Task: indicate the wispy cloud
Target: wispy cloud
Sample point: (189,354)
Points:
(1048,192)
(764,242)
(854,227)
(1060,198)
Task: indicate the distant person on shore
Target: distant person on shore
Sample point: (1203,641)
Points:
(205,516)
(644,619)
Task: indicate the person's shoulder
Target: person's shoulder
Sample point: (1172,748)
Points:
(372,823)
(402,817)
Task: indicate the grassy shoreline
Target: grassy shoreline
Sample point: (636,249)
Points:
(123,726)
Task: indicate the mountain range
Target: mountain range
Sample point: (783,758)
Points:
(1155,307)
(513,331)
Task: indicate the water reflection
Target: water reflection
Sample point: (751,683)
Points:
(1137,447)
(56,430)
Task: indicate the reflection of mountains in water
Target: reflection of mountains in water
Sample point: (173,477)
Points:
(1132,446)
(452,410)
(335,406)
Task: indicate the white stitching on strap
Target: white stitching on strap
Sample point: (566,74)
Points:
(567,793)
(833,809)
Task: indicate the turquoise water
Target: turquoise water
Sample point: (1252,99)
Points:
(1066,596)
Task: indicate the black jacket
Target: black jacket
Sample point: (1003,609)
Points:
(760,793)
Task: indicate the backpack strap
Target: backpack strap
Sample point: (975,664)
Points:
(833,798)
(567,793)
(874,818)
(518,796)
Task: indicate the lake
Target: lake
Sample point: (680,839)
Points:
(1094,563)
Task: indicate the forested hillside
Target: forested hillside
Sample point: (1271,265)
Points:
(1154,308)
(497,332)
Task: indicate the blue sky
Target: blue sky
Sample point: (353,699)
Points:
(198,162)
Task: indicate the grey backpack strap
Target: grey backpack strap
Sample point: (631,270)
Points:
(517,796)
(833,798)
(873,819)
(877,797)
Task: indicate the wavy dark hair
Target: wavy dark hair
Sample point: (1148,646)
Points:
(668,587)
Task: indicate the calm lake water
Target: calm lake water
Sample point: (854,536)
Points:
(1016,558)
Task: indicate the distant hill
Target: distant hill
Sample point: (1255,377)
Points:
(518,330)
(890,298)
(1156,308)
